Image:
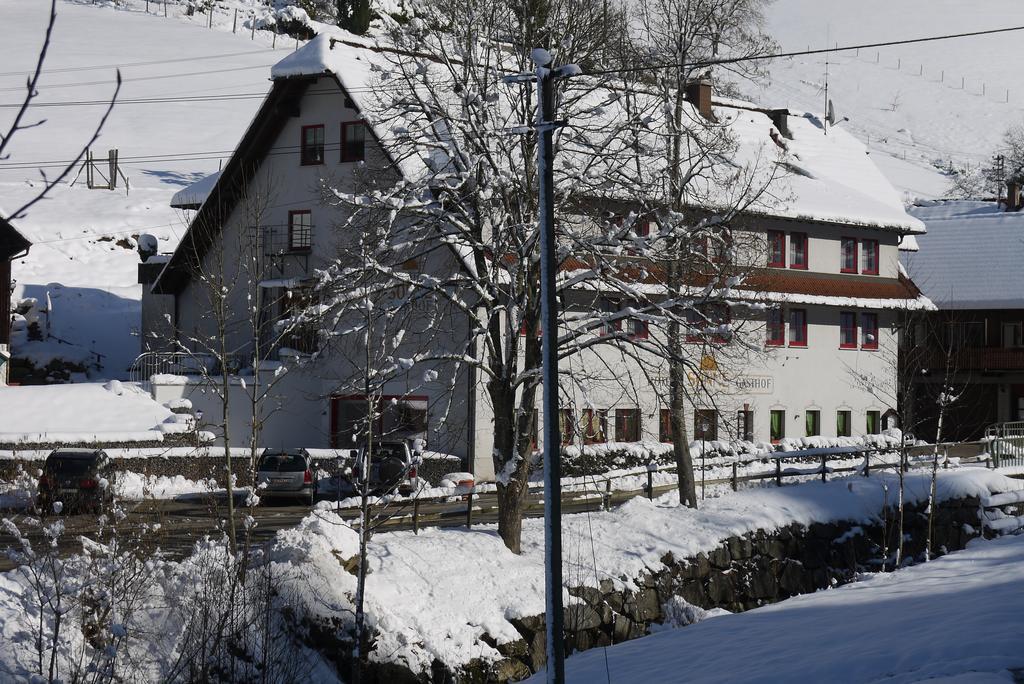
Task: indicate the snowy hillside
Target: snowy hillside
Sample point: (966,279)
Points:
(934,119)
(163,147)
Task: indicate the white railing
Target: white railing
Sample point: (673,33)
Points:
(148,364)
(1007,443)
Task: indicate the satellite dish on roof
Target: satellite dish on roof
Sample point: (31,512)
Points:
(148,246)
(831,115)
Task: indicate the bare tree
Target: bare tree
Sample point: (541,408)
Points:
(21,122)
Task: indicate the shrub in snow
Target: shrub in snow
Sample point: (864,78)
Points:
(295,22)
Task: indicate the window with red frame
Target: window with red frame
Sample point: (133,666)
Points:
(642,227)
(665,425)
(300,230)
(719,316)
(848,256)
(776,249)
(847,330)
(720,243)
(798,327)
(869,257)
(594,424)
(523,326)
(627,425)
(610,307)
(705,425)
(798,250)
(635,327)
(353,141)
(776,329)
(694,325)
(869,331)
(566,425)
(312,145)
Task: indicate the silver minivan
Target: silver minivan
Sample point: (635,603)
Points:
(286,474)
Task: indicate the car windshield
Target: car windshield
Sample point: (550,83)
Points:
(68,465)
(385,451)
(283,463)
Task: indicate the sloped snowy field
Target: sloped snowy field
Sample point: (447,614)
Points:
(935,119)
(96,301)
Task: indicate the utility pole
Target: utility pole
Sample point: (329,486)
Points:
(545,77)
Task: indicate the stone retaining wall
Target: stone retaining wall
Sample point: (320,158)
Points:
(743,573)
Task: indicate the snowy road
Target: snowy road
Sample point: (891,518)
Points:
(175,525)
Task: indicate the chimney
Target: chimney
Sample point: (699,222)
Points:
(780,119)
(698,93)
(1013,196)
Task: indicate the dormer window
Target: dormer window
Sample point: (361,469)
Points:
(353,141)
(312,145)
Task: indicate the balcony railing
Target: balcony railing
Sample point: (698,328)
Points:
(979,359)
(281,244)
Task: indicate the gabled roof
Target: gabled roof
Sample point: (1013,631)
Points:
(12,242)
(971,257)
(826,179)
(281,102)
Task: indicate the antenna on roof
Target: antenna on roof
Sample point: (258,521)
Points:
(828,105)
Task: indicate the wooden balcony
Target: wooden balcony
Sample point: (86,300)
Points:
(980,359)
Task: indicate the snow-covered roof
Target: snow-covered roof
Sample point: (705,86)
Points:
(970,257)
(194,195)
(11,241)
(826,178)
(832,178)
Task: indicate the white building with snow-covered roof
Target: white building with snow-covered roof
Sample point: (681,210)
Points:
(830,230)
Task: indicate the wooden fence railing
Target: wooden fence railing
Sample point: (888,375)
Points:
(480,500)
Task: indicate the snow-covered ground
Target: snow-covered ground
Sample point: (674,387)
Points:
(955,619)
(163,147)
(432,595)
(906,102)
(87,412)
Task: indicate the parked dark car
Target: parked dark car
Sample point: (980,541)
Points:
(287,474)
(393,467)
(80,479)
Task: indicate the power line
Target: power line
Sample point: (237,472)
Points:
(146,78)
(799,53)
(126,65)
